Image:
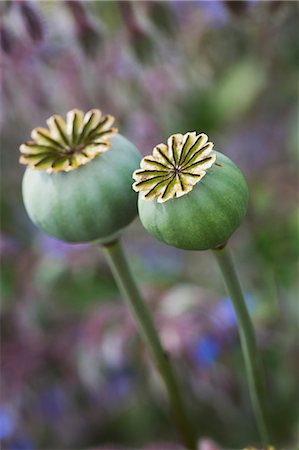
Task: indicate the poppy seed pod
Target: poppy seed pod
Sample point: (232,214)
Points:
(77,186)
(190,196)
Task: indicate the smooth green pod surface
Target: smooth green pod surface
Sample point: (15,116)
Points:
(93,202)
(206,216)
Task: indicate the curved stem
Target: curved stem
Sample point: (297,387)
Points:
(138,308)
(247,336)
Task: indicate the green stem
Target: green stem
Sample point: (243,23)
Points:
(247,336)
(138,308)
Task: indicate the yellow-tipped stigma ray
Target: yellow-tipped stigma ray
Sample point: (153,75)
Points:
(174,169)
(66,145)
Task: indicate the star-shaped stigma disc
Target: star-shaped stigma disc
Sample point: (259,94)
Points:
(66,145)
(174,169)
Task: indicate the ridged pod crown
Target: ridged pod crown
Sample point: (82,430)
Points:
(174,169)
(66,145)
(190,196)
(77,186)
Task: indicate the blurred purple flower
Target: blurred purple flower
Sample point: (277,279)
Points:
(166,262)
(55,248)
(21,442)
(254,143)
(215,11)
(52,403)
(7,423)
(224,314)
(118,384)
(8,245)
(207,350)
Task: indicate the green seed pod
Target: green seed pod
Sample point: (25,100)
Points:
(189,196)
(77,187)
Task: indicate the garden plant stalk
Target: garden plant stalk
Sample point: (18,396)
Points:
(127,286)
(247,336)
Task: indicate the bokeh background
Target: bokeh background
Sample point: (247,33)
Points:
(74,371)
